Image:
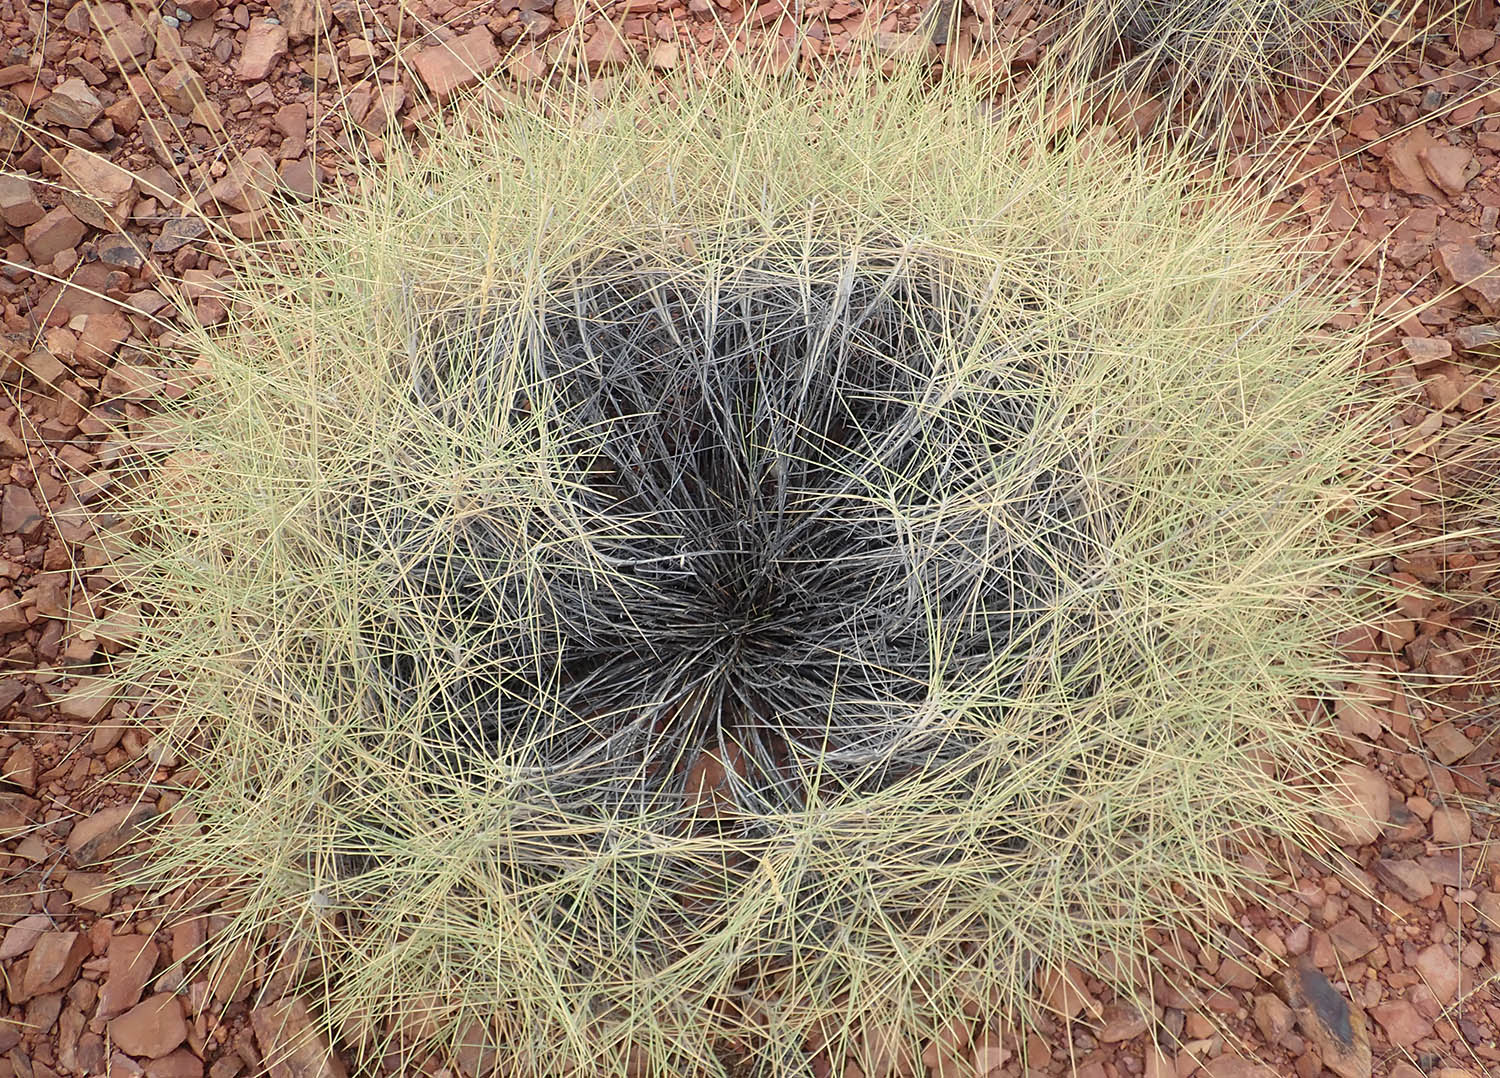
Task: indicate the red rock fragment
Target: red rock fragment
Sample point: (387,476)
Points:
(1405,878)
(1424,351)
(1403,1025)
(1440,973)
(95,838)
(90,891)
(304,19)
(606,48)
(1481,338)
(454,65)
(1474,41)
(53,963)
(71,104)
(18,202)
(101,192)
(52,234)
(1467,267)
(266,44)
(22,936)
(179,1064)
(19,514)
(1329,1020)
(293,1047)
(1404,164)
(150,1029)
(1448,167)
(131,960)
(181,90)
(249,180)
(1121,1022)
(1362,803)
(301,177)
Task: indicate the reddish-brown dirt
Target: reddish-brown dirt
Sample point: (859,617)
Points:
(111,115)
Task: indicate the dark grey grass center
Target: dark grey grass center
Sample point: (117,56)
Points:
(787,524)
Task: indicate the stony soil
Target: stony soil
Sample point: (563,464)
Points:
(1384,963)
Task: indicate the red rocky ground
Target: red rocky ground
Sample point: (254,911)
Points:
(120,124)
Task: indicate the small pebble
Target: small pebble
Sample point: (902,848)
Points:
(169,21)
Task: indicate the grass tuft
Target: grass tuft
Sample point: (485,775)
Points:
(749,575)
(1215,65)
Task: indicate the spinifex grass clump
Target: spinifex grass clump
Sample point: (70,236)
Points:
(1222,60)
(750,576)
(799,489)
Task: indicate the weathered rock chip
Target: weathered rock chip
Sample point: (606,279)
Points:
(98,836)
(53,963)
(150,1029)
(293,1047)
(1329,1020)
(454,65)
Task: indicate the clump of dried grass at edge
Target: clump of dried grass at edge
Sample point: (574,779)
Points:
(1228,71)
(1043,487)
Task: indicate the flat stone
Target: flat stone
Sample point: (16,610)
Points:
(1362,803)
(150,1029)
(1329,1020)
(1448,167)
(266,44)
(1439,972)
(71,104)
(1064,992)
(92,891)
(454,65)
(1273,1018)
(86,702)
(1404,164)
(1451,826)
(124,38)
(53,234)
(179,1064)
(607,47)
(1474,41)
(1405,878)
(1121,1022)
(53,963)
(248,182)
(93,839)
(1487,905)
(1352,938)
(19,206)
(1448,743)
(41,1013)
(1425,350)
(292,1046)
(131,959)
(19,768)
(301,177)
(303,18)
(180,89)
(1445,869)
(120,251)
(12,620)
(1479,338)
(1402,1023)
(1467,267)
(102,191)
(178,232)
(19,514)
(22,936)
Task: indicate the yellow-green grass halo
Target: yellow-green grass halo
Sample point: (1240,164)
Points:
(515,717)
